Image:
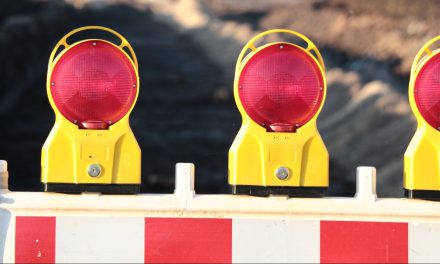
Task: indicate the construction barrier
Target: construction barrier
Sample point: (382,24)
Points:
(185,227)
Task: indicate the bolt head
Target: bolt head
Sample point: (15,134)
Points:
(94,170)
(282,173)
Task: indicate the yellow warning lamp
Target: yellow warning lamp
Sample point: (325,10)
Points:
(92,86)
(279,89)
(422,157)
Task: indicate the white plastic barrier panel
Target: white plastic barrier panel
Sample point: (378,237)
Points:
(184,227)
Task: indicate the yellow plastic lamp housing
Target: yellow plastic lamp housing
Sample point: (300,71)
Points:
(422,157)
(92,86)
(279,89)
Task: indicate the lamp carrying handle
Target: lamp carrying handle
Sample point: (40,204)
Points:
(251,45)
(422,53)
(63,43)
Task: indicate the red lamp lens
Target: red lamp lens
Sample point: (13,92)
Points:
(427,91)
(281,87)
(94,84)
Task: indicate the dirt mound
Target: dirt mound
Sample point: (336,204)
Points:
(385,30)
(366,119)
(187,51)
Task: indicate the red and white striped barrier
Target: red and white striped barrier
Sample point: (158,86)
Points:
(184,227)
(73,239)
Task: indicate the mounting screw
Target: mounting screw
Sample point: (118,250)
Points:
(282,173)
(94,43)
(52,83)
(94,170)
(281,47)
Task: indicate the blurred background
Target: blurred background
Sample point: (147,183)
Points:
(187,50)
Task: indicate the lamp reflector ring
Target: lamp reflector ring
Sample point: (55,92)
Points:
(427,91)
(93,84)
(281,87)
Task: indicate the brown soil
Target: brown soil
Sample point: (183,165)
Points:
(187,50)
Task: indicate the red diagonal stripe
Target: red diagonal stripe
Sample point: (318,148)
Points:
(188,240)
(35,239)
(364,242)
